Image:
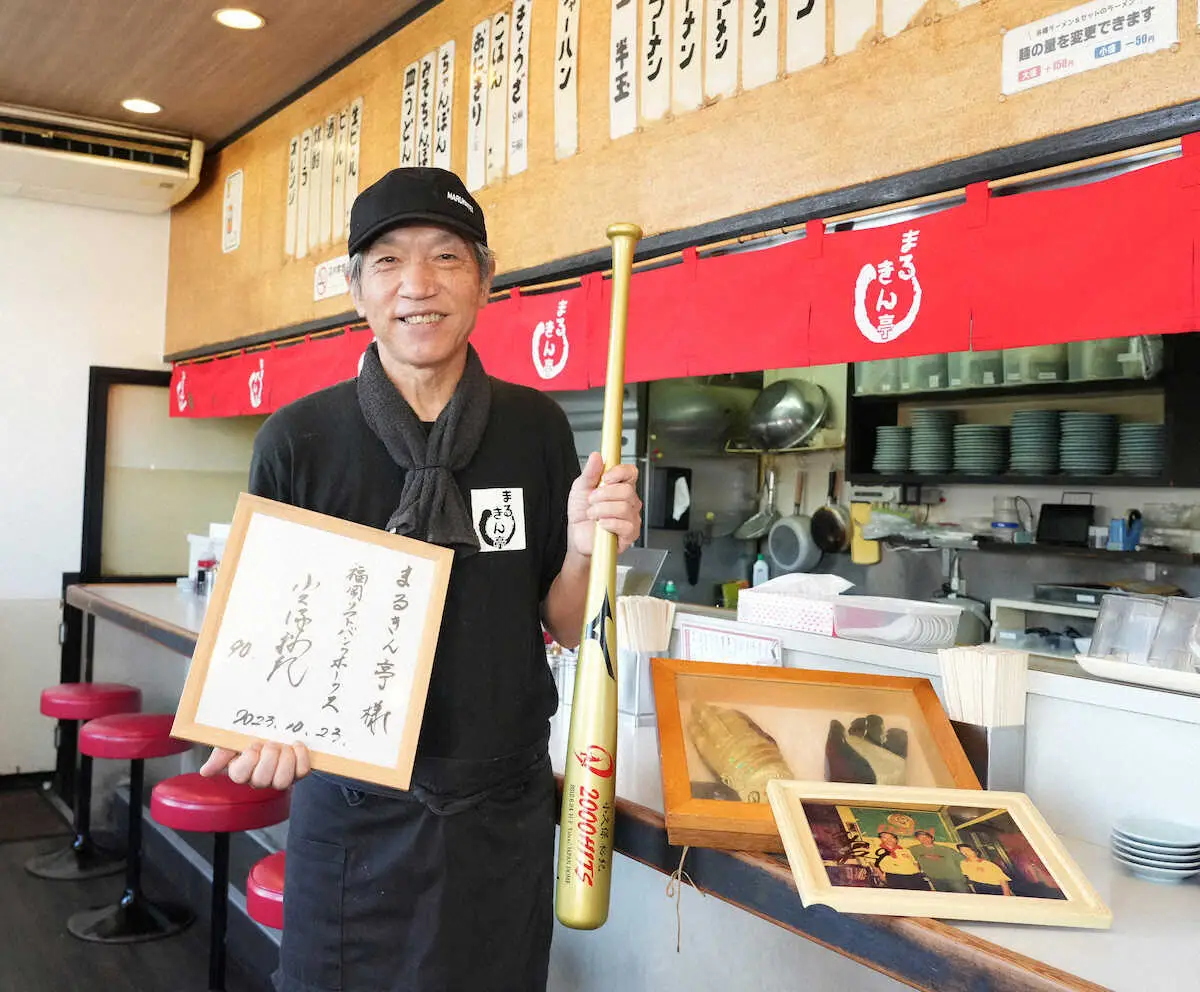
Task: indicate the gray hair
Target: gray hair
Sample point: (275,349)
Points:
(485,258)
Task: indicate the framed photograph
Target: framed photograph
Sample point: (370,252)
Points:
(319,631)
(725,731)
(945,853)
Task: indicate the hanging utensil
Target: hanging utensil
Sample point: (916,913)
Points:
(831,523)
(760,523)
(790,544)
(786,414)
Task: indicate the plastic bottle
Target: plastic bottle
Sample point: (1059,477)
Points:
(760,573)
(670,592)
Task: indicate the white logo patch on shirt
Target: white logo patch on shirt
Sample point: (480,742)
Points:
(499,518)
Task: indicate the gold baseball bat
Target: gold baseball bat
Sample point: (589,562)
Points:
(585,840)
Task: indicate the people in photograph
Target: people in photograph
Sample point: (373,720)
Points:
(986,877)
(896,866)
(941,863)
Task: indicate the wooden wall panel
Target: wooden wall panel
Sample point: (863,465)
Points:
(929,95)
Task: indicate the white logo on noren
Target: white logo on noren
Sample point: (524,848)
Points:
(458,199)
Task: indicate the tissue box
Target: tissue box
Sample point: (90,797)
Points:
(794,602)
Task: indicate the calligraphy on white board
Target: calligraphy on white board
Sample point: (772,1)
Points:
(319,631)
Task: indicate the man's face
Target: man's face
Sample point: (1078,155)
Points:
(420,292)
(926,840)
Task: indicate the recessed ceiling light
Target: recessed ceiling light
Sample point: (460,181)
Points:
(239,18)
(141,106)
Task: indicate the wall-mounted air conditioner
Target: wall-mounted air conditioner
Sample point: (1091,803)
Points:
(49,156)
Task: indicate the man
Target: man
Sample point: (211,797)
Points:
(896,866)
(448,886)
(941,863)
(986,877)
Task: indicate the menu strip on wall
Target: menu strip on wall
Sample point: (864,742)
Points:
(408,115)
(477,116)
(760,42)
(355,141)
(316,168)
(721,48)
(328,147)
(805,39)
(444,106)
(656,59)
(497,126)
(518,86)
(293,196)
(304,193)
(566,79)
(339,174)
(231,212)
(623,74)
(425,110)
(853,20)
(687,47)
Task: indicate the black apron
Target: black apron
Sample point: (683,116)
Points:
(444,888)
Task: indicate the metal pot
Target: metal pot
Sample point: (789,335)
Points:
(786,414)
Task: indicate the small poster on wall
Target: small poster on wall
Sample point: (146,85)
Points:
(316,180)
(687,34)
(623,69)
(328,150)
(518,88)
(566,79)
(477,103)
(760,43)
(341,147)
(408,115)
(330,278)
(805,41)
(319,631)
(721,48)
(304,195)
(443,106)
(656,59)
(355,140)
(231,213)
(497,108)
(293,196)
(425,110)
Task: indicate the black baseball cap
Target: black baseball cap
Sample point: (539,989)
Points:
(414,195)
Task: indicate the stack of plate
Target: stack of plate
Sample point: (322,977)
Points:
(932,441)
(1140,450)
(980,449)
(1035,442)
(1156,849)
(1088,443)
(892,446)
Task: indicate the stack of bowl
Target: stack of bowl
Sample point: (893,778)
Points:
(1140,449)
(1156,849)
(980,449)
(892,445)
(932,441)
(1034,442)
(1088,443)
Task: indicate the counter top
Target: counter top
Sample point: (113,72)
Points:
(1150,945)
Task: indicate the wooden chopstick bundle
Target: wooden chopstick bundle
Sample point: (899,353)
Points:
(985,685)
(644,623)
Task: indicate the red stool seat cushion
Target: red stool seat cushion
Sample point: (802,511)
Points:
(131,736)
(264,891)
(89,700)
(216,805)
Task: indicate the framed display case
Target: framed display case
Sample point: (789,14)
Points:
(946,853)
(724,731)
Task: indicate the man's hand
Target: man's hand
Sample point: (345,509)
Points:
(264,765)
(611,501)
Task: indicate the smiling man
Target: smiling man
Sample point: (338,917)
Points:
(448,886)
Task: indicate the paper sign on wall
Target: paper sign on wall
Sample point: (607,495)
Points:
(760,42)
(853,20)
(566,79)
(497,109)
(1087,37)
(329,278)
(518,88)
(805,40)
(341,149)
(231,213)
(444,106)
(354,142)
(477,115)
(898,13)
(328,147)
(408,115)
(687,41)
(319,631)
(315,182)
(656,59)
(293,196)
(304,193)
(721,27)
(622,69)
(425,110)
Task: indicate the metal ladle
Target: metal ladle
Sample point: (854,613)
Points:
(758,525)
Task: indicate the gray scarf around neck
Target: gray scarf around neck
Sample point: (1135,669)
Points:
(431,506)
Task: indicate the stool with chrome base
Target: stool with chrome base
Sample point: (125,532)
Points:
(217,806)
(264,890)
(83,701)
(133,737)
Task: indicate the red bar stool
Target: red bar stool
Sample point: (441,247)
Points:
(217,806)
(131,737)
(83,701)
(264,890)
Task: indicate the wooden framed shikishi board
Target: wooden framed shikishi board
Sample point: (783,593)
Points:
(319,631)
(724,731)
(947,853)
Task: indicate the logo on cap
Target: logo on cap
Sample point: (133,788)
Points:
(458,199)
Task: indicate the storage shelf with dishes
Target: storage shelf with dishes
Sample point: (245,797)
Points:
(1042,431)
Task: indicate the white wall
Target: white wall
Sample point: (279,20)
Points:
(78,287)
